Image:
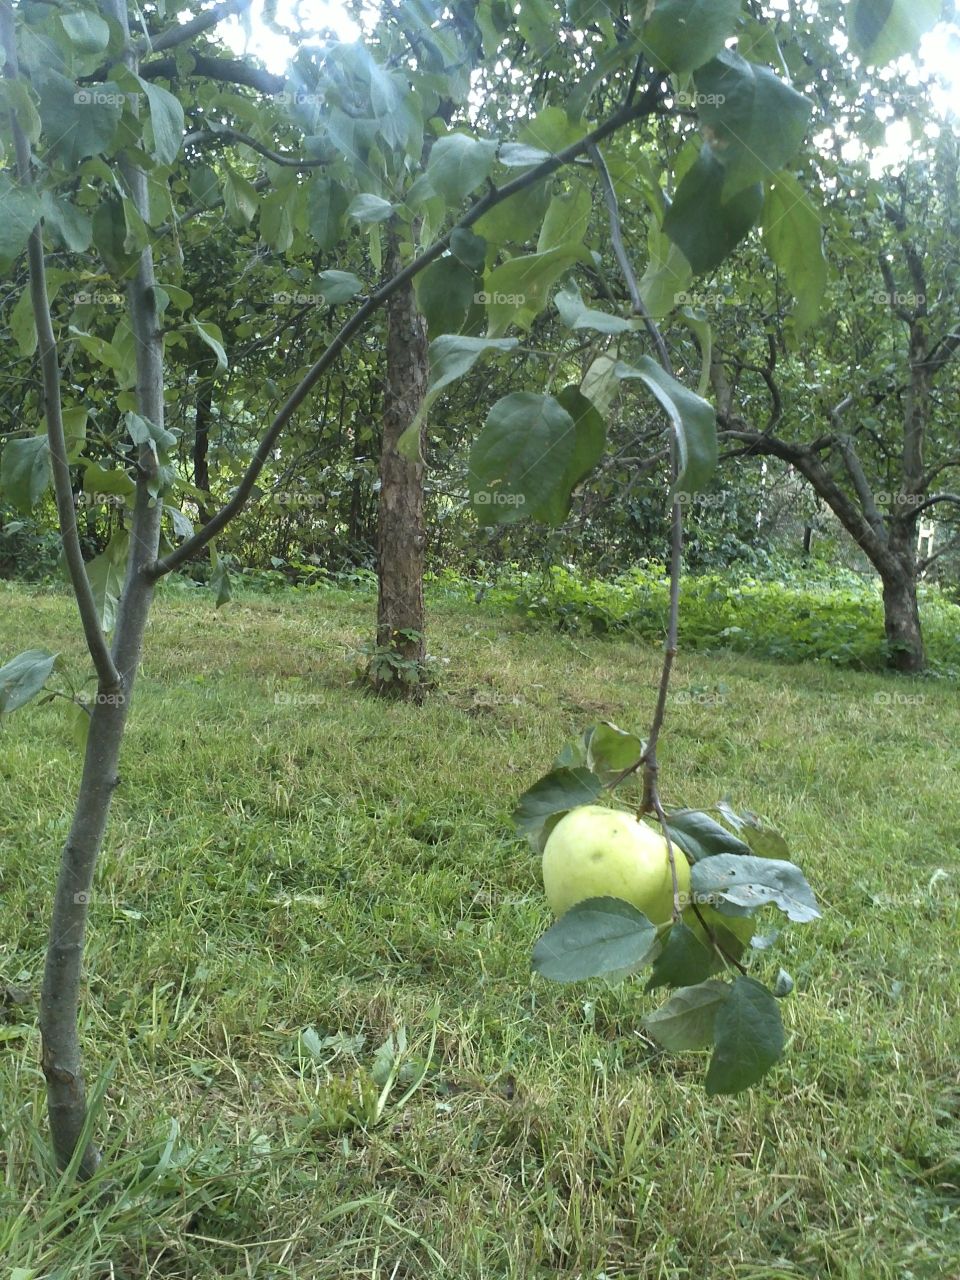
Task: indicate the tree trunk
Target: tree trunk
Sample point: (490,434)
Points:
(901,617)
(397,667)
(201,445)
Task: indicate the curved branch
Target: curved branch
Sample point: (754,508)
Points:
(107,673)
(933,500)
(205,136)
(624,116)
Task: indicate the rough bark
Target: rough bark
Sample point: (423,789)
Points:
(901,613)
(201,445)
(401,534)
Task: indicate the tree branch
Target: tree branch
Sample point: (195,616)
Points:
(933,500)
(107,673)
(207,136)
(226,69)
(624,116)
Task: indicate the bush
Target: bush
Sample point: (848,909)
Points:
(800,615)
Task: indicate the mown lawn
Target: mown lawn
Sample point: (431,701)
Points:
(296,871)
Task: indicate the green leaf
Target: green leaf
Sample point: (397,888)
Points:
(106,573)
(589,442)
(23,677)
(517,219)
(459,164)
(88,33)
(600,383)
(78,122)
(166,121)
(681,35)
(327,203)
(749,1038)
(25,472)
(74,430)
(687,1020)
(338,286)
(692,418)
(240,199)
(700,837)
(367,207)
(451,356)
(212,335)
(555,793)
(754,120)
(204,185)
(220,583)
(519,461)
(599,938)
(695,318)
(882,30)
(20,210)
(611,750)
(704,225)
(517,291)
(142,431)
(684,960)
(519,155)
(109,237)
(567,219)
(665,280)
(23,326)
(276,221)
(98,480)
(753,882)
(792,235)
(575,314)
(445,295)
(71,226)
(468,249)
(537,21)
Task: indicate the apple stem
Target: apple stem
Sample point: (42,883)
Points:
(715,941)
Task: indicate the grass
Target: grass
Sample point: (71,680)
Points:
(288,855)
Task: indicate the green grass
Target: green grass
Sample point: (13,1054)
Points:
(286,852)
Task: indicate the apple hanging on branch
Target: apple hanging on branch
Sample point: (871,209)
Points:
(626,899)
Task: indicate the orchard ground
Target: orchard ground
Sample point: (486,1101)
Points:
(295,871)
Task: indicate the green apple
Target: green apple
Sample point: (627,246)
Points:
(595,852)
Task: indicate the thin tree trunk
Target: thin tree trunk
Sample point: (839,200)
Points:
(60,994)
(401,535)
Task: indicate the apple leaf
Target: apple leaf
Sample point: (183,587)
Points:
(598,938)
(684,960)
(700,837)
(693,420)
(749,1037)
(610,750)
(23,677)
(687,1020)
(555,793)
(753,882)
